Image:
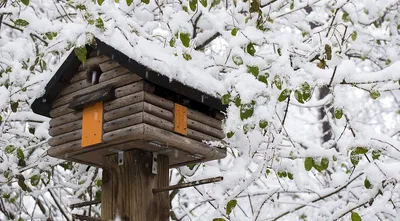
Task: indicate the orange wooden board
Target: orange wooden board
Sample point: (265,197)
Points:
(180,119)
(92,124)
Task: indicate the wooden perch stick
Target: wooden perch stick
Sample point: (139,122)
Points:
(184,185)
(88,218)
(77,205)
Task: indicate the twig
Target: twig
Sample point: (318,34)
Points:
(189,184)
(88,218)
(208,41)
(88,203)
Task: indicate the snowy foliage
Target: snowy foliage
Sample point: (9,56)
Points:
(313,123)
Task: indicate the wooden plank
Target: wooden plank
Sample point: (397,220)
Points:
(123,101)
(83,83)
(124,134)
(91,61)
(128,188)
(159,112)
(200,136)
(158,122)
(65,128)
(92,124)
(116,82)
(218,133)
(54,122)
(123,122)
(104,94)
(123,111)
(180,119)
(159,101)
(65,138)
(202,118)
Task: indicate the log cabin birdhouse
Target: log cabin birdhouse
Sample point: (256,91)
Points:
(112,103)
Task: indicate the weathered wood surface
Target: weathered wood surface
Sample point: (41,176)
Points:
(123,111)
(65,138)
(54,122)
(124,134)
(159,101)
(123,122)
(202,118)
(159,112)
(116,82)
(104,94)
(65,128)
(91,61)
(127,189)
(104,66)
(203,128)
(65,150)
(79,85)
(196,135)
(158,122)
(124,101)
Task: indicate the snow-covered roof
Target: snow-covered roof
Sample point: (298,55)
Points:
(146,60)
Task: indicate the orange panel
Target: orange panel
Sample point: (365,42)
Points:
(92,124)
(180,119)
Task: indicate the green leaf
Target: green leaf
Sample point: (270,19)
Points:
(374,94)
(25,2)
(354,36)
(172,42)
(263,78)
(267,171)
(100,24)
(225,99)
(279,52)
(9,149)
(355,155)
(299,96)
(367,183)
(324,163)
(215,3)
(230,134)
(355,217)
(35,179)
(306,89)
(100,2)
(219,219)
(345,17)
(204,3)
(246,111)
(338,113)
(360,150)
(254,70)
(278,82)
(250,49)
(376,154)
(81,52)
(234,32)
(146,1)
(322,64)
(21,22)
(129,2)
(193,5)
(328,51)
(20,154)
(291,6)
(21,183)
(388,61)
(290,176)
(237,101)
(32,130)
(230,206)
(80,7)
(237,60)
(285,94)
(187,56)
(14,106)
(263,124)
(185,39)
(308,163)
(99,183)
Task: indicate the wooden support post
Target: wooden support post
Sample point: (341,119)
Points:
(127,189)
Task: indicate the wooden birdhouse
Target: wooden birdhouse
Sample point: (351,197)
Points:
(113,103)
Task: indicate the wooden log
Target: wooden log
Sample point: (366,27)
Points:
(123,111)
(65,138)
(124,134)
(65,128)
(116,82)
(123,122)
(159,112)
(123,101)
(104,66)
(203,128)
(54,122)
(79,85)
(158,122)
(202,118)
(91,61)
(129,89)
(159,101)
(195,135)
(127,188)
(62,110)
